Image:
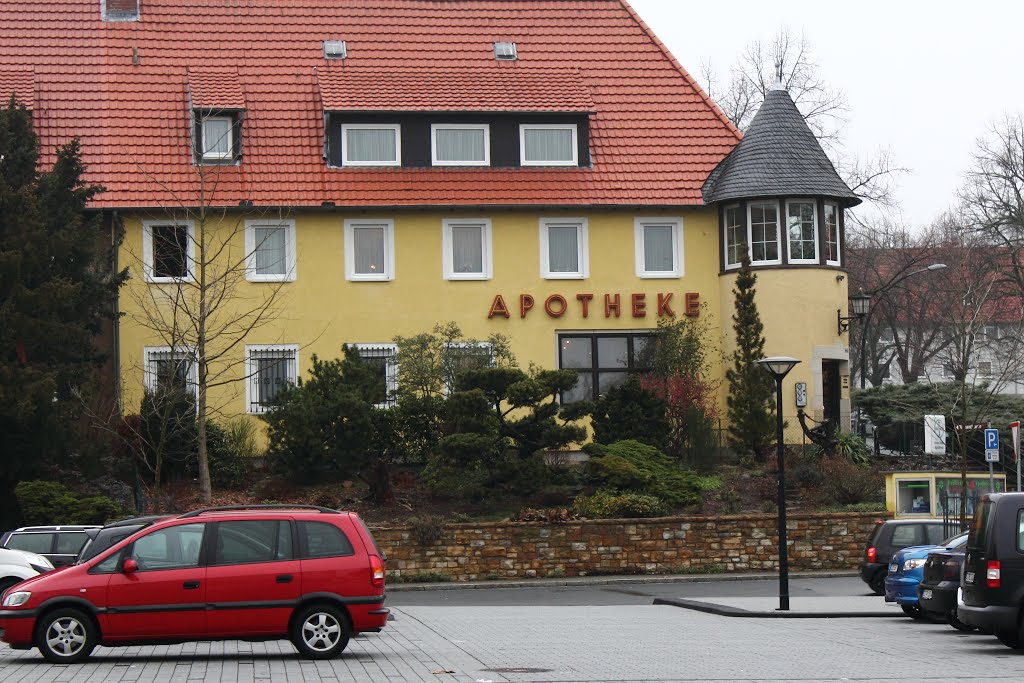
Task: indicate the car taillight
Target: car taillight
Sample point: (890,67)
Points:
(951,569)
(992,579)
(377,571)
(872,553)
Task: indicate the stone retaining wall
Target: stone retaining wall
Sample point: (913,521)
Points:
(500,550)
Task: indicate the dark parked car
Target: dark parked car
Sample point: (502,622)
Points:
(59,544)
(992,591)
(102,538)
(937,592)
(890,536)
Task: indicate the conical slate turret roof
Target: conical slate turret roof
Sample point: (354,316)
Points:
(778,156)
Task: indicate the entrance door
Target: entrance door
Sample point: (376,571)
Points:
(830,389)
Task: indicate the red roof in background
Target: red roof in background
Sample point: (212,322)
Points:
(21,84)
(654,136)
(215,90)
(501,87)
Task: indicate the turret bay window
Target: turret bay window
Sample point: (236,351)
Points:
(371,144)
(369,250)
(269,370)
(763,219)
(801,221)
(466,248)
(831,221)
(564,249)
(603,361)
(735,236)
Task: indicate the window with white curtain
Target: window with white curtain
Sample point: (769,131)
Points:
(763,222)
(466,248)
(460,144)
(802,223)
(217,137)
(369,249)
(548,144)
(270,250)
(371,144)
(564,252)
(659,247)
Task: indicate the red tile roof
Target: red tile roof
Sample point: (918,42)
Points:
(654,134)
(215,90)
(500,87)
(21,84)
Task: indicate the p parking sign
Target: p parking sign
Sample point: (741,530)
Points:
(991,445)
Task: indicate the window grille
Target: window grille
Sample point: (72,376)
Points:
(169,369)
(383,357)
(270,371)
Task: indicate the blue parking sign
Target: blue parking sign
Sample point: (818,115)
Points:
(991,438)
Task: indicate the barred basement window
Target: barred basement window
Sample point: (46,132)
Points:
(462,356)
(269,369)
(166,369)
(383,357)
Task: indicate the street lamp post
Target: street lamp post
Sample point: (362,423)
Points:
(778,367)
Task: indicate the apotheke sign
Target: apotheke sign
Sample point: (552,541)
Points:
(612,305)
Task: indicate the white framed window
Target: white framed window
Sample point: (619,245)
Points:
(217,138)
(763,233)
(735,236)
(460,144)
(659,247)
(460,356)
(166,367)
(168,250)
(831,223)
(802,230)
(985,368)
(564,249)
(371,144)
(369,249)
(466,248)
(268,370)
(269,250)
(383,357)
(548,144)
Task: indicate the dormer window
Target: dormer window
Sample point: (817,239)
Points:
(370,144)
(460,144)
(120,10)
(335,49)
(218,138)
(548,144)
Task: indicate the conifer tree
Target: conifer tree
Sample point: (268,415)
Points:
(55,290)
(751,389)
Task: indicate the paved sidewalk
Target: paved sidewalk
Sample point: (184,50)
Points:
(844,606)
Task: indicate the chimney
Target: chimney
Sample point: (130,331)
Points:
(120,10)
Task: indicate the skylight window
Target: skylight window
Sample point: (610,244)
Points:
(505,51)
(335,49)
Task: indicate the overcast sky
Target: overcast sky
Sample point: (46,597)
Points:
(925,79)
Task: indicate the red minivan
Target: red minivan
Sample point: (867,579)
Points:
(308,573)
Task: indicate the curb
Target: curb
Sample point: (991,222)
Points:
(611,581)
(726,611)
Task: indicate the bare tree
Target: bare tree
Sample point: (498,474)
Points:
(823,107)
(204,313)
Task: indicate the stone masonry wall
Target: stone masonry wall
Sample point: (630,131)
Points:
(500,550)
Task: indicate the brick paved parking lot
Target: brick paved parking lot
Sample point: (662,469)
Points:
(571,644)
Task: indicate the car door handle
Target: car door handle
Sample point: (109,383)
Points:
(189,585)
(284,578)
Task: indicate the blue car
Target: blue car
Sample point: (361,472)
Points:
(906,570)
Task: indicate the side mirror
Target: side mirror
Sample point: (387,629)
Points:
(130,566)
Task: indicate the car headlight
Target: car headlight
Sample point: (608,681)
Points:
(913,564)
(42,569)
(17,598)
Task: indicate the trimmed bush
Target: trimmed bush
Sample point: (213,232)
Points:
(633,467)
(609,504)
(47,502)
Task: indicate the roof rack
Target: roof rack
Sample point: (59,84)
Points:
(277,506)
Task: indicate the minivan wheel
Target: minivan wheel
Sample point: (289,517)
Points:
(955,622)
(1011,639)
(66,636)
(913,611)
(877,584)
(320,631)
